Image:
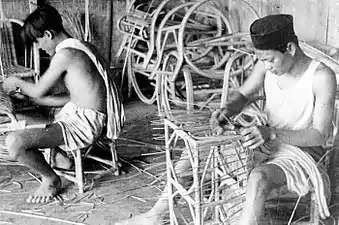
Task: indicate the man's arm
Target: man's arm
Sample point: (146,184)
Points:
(58,66)
(324,89)
(251,86)
(52,100)
(239,99)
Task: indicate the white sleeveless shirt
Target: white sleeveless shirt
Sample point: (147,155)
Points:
(292,107)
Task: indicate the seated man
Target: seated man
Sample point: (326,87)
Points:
(92,107)
(300,95)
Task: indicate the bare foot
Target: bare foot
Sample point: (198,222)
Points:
(46,192)
(148,218)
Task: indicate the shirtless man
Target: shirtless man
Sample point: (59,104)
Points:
(85,109)
(300,95)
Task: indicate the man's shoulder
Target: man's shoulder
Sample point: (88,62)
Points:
(69,54)
(324,69)
(62,58)
(324,76)
(64,53)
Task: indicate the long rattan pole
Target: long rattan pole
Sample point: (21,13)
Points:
(1,11)
(87,27)
(1,18)
(1,65)
(33,4)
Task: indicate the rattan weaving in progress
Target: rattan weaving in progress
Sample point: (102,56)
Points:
(7,116)
(219,166)
(207,184)
(9,122)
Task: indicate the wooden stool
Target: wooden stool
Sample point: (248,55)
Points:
(80,155)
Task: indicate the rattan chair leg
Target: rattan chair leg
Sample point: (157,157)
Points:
(115,160)
(79,174)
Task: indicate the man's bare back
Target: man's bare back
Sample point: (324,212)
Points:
(85,85)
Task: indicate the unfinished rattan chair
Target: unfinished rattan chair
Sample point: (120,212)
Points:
(223,160)
(9,65)
(218,166)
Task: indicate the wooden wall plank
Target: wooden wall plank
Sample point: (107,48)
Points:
(333,23)
(244,12)
(310,16)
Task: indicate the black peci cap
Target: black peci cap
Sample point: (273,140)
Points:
(272,32)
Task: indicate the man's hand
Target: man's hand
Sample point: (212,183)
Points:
(255,136)
(218,121)
(10,85)
(20,96)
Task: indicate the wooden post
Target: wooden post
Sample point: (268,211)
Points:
(110,32)
(33,4)
(2,15)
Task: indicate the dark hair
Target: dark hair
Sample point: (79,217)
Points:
(45,17)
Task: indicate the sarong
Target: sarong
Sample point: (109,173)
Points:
(302,173)
(80,126)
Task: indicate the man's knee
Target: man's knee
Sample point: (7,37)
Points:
(259,181)
(14,144)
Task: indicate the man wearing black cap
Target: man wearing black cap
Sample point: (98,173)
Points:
(300,95)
